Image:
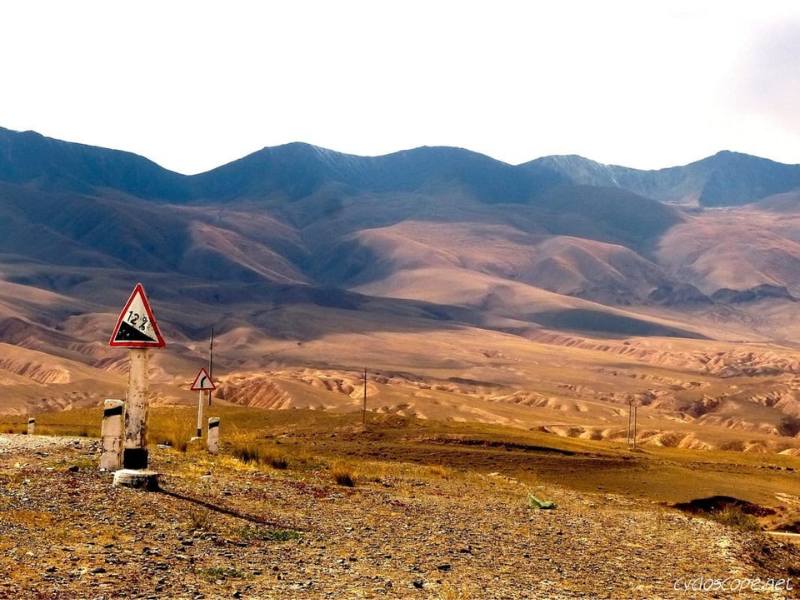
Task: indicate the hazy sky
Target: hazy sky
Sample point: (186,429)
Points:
(195,84)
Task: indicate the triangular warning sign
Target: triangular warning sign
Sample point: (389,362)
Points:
(136,326)
(203,382)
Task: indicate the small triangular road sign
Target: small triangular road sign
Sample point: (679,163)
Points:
(136,325)
(203,382)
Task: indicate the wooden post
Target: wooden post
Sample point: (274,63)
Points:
(31,426)
(135,449)
(200,406)
(212,439)
(635,409)
(111,435)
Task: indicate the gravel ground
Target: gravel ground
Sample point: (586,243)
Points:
(65,532)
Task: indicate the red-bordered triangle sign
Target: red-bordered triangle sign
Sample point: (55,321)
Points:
(136,325)
(203,382)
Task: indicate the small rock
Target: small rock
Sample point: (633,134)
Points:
(418,583)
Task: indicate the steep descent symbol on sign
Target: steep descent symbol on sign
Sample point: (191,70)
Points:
(203,382)
(136,326)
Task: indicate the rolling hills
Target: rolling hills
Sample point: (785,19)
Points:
(544,295)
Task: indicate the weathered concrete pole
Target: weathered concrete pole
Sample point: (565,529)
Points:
(213,435)
(31,426)
(111,435)
(134,455)
(200,414)
(137,331)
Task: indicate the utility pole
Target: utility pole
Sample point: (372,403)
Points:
(632,416)
(630,421)
(364,407)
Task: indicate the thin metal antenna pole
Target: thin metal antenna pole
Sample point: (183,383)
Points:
(211,363)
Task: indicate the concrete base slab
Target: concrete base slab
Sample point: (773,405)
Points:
(135,478)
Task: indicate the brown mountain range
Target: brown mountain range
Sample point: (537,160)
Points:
(544,295)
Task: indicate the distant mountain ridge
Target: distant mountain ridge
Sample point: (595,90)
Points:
(31,159)
(724,179)
(297,170)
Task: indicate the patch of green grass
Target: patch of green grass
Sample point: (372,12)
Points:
(539,504)
(216,573)
(269,535)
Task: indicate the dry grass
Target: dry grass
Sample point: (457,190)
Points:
(397,450)
(451,592)
(259,454)
(735,517)
(440,471)
(344,474)
(172,429)
(199,519)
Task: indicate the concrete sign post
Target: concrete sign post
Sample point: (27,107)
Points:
(202,384)
(138,331)
(111,434)
(31,426)
(201,401)
(213,435)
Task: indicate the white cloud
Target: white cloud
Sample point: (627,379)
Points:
(770,80)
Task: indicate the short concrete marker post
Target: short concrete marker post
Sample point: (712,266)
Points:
(111,434)
(213,435)
(136,478)
(31,426)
